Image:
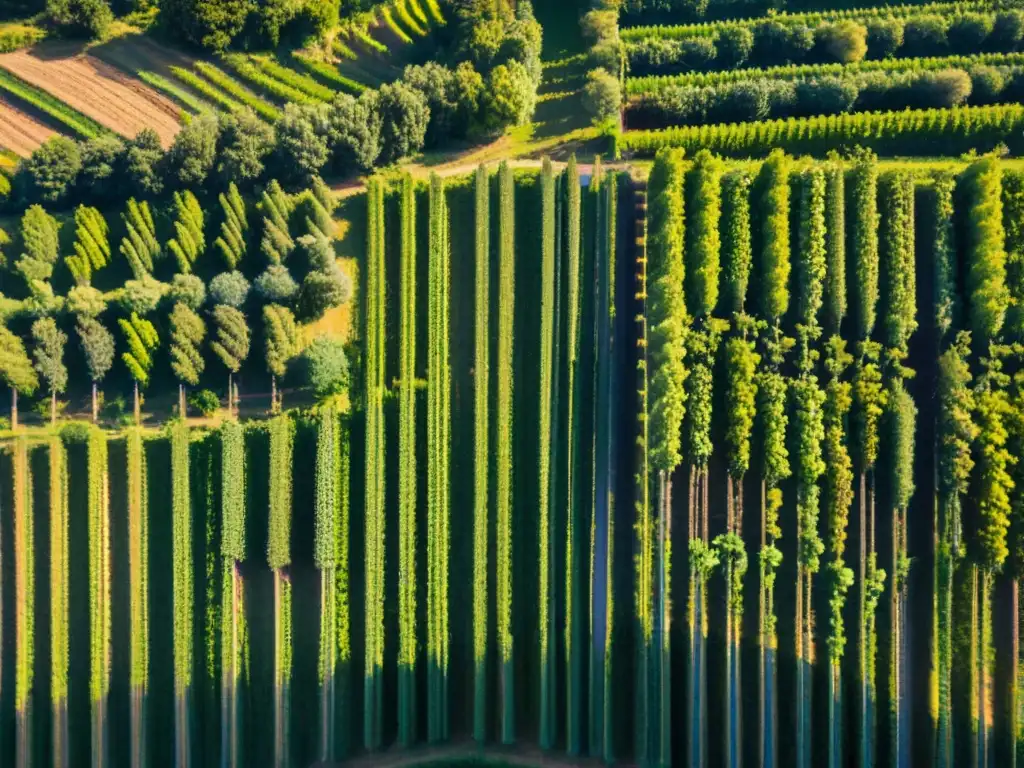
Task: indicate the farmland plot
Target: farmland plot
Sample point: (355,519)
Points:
(95,89)
(19,132)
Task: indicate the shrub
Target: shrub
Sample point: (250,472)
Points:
(924,36)
(735,44)
(698,54)
(230,288)
(602,95)
(968,33)
(987,84)
(845,41)
(323,290)
(1008,30)
(885,37)
(325,366)
(509,98)
(205,401)
(827,96)
(940,89)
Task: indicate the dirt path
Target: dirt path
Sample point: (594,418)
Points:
(19,132)
(98,90)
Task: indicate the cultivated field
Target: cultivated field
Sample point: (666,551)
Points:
(97,90)
(19,132)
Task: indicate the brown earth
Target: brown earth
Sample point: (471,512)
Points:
(19,132)
(96,89)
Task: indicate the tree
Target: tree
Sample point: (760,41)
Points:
(92,246)
(80,18)
(189,240)
(187,333)
(143,163)
(276,284)
(602,96)
(245,141)
(230,288)
(232,244)
(49,358)
(452,97)
(142,296)
(326,366)
(191,156)
(98,347)
(188,290)
(510,97)
(302,140)
(844,42)
(86,301)
(736,246)
(323,289)
(39,235)
(986,250)
(704,202)
(864,243)
(280,336)
(139,246)
(354,137)
(142,341)
(16,370)
(102,159)
(811,245)
(211,24)
(230,343)
(404,116)
(51,170)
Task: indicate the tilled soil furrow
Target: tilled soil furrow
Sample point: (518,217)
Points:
(19,132)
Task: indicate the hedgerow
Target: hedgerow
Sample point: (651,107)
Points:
(206,89)
(183,579)
(25,594)
(917,132)
(180,95)
(256,74)
(279,557)
(737,256)
(234,645)
(60,592)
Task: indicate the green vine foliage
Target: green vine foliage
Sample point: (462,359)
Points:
(864,242)
(60,579)
(702,346)
(898,281)
(869,400)
(773,211)
(741,363)
(957,430)
(994,483)
(233,482)
(279,530)
(666,310)
(839,490)
(25,585)
(985,237)
(138,535)
(703,246)
(812,266)
(835,246)
(737,253)
(903,414)
(808,433)
(183,576)
(946,296)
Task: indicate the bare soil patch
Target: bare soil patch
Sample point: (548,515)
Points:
(96,89)
(20,132)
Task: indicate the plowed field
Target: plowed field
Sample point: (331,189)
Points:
(19,132)
(98,90)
